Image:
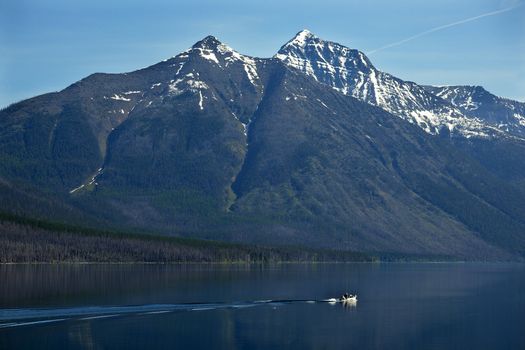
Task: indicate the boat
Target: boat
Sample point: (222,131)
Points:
(348,298)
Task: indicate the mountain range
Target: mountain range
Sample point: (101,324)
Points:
(313,147)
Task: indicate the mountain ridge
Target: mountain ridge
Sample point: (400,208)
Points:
(218,145)
(351,72)
(474,101)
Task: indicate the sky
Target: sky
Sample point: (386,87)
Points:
(47,45)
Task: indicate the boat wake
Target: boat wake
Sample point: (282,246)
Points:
(10,318)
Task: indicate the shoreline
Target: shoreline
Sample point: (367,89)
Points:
(258,263)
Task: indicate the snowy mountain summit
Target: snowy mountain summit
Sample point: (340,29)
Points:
(314,146)
(352,73)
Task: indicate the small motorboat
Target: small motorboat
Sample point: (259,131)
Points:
(348,298)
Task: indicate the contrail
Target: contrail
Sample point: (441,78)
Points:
(400,42)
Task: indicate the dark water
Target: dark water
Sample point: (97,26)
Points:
(400,306)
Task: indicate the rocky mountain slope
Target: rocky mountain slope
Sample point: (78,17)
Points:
(476,102)
(351,72)
(312,147)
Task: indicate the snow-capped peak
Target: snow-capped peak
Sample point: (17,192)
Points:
(213,51)
(210,42)
(301,38)
(351,72)
(314,55)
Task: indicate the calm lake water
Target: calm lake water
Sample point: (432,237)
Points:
(400,306)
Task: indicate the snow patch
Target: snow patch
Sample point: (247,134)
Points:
(249,64)
(90,182)
(120,98)
(321,102)
(177,87)
(181,65)
(200,101)
(520,118)
(207,54)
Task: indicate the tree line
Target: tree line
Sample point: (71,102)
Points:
(28,241)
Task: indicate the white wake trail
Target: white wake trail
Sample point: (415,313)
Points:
(10,318)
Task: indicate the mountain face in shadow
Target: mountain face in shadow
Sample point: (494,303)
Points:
(313,147)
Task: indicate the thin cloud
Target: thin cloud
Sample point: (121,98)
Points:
(445,26)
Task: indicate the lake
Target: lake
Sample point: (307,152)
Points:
(400,306)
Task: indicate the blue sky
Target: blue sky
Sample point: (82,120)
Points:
(47,45)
